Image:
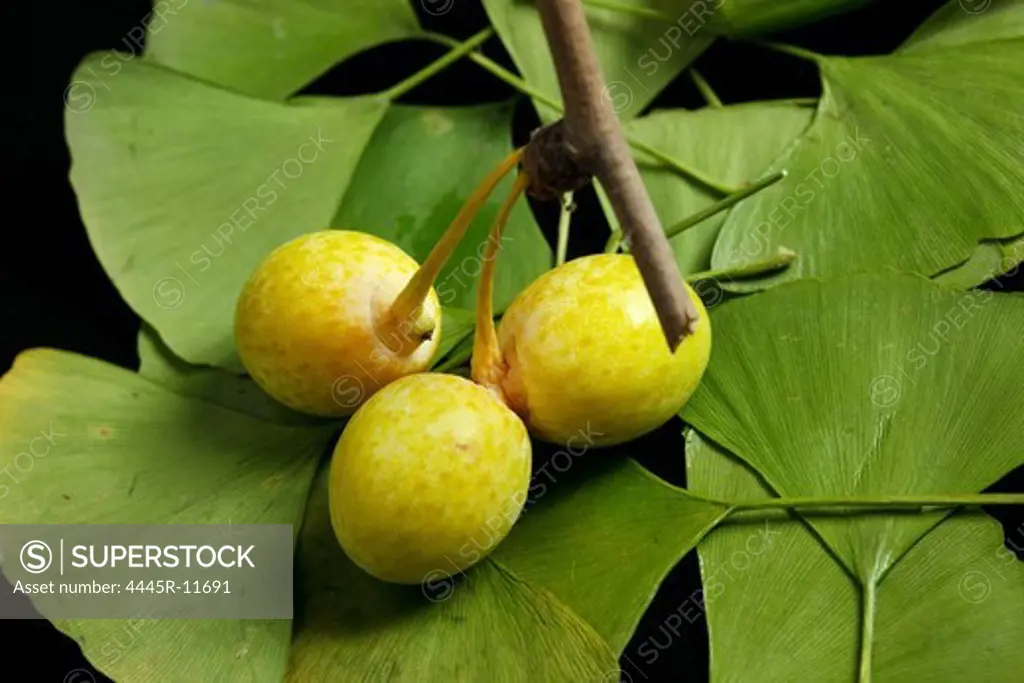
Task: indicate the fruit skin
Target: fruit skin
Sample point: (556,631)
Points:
(586,356)
(428,476)
(308,324)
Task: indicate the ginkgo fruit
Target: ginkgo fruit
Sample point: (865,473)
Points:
(431,472)
(428,476)
(581,348)
(313,324)
(331,317)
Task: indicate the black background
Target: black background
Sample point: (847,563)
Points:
(55,293)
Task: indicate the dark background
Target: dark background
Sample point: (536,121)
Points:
(54,292)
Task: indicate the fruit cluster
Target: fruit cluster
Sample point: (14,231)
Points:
(432,470)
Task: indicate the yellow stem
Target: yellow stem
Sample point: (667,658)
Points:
(408,302)
(487,366)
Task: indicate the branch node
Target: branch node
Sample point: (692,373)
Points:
(553,164)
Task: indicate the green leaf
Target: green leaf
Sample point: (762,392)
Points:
(270,48)
(493,626)
(868,385)
(184,189)
(126,450)
(416,173)
(985,21)
(804,615)
(947,612)
(607,569)
(639,55)
(158,364)
(898,170)
(179,227)
(991,258)
(741,17)
(547,606)
(731,143)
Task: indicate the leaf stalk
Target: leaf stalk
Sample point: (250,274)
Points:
(615,242)
(897,502)
(457,52)
(705,89)
(869,599)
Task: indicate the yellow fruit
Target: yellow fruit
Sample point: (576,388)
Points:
(313,329)
(585,354)
(428,476)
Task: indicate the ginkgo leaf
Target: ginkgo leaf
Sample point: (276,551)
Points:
(640,53)
(179,227)
(399,194)
(869,385)
(491,627)
(731,143)
(899,169)
(807,619)
(986,21)
(991,259)
(947,612)
(546,606)
(184,189)
(608,569)
(158,364)
(125,450)
(270,48)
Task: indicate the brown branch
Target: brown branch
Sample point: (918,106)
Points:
(589,141)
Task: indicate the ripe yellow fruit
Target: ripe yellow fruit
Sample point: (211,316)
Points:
(428,476)
(312,325)
(584,350)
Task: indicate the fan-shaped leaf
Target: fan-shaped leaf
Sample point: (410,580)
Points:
(991,259)
(988,20)
(400,194)
(607,570)
(732,144)
(899,169)
(521,615)
(126,450)
(947,612)
(184,189)
(270,48)
(867,386)
(492,627)
(158,364)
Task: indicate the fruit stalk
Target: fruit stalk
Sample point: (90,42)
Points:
(881,502)
(487,366)
(411,297)
(593,140)
(615,241)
